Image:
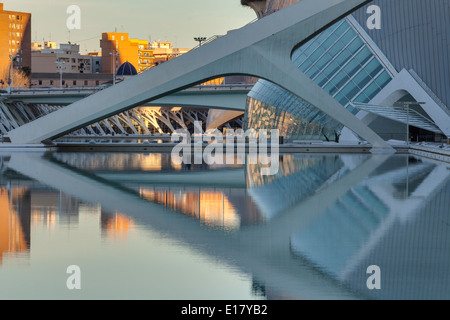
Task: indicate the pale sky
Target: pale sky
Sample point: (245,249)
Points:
(178,21)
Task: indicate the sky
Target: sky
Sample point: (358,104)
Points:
(178,21)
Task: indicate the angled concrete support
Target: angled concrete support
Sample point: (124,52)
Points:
(402,84)
(262,49)
(216,117)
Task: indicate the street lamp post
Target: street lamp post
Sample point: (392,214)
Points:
(200,40)
(60,67)
(406,105)
(114,54)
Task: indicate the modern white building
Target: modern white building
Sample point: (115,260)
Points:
(385,53)
(321,79)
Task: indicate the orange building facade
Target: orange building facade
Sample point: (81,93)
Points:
(15,40)
(140,53)
(114,43)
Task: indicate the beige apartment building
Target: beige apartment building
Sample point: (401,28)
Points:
(67,56)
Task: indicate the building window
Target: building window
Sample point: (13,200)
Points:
(85,82)
(97,83)
(74,82)
(51,82)
(40,82)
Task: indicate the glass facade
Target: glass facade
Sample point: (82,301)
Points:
(342,63)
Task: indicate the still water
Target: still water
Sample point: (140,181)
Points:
(140,226)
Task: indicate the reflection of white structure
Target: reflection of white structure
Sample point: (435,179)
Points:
(303,177)
(316,229)
(369,224)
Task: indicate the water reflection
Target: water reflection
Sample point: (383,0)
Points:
(310,231)
(14,222)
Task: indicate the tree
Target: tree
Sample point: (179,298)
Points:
(21,78)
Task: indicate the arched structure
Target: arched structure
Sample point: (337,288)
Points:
(353,62)
(407,83)
(262,49)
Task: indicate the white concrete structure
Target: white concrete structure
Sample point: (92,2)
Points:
(404,83)
(229,97)
(262,49)
(199,103)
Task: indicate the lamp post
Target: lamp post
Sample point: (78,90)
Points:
(200,40)
(406,105)
(114,54)
(60,67)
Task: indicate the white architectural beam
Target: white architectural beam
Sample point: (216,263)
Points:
(262,49)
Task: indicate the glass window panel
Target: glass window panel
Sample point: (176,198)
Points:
(321,37)
(301,57)
(341,99)
(323,61)
(363,56)
(331,69)
(355,45)
(330,88)
(371,90)
(317,53)
(362,78)
(306,45)
(336,48)
(343,57)
(373,67)
(311,48)
(334,26)
(352,67)
(341,30)
(348,36)
(348,89)
(328,42)
(321,79)
(353,92)
(361,98)
(340,79)
(295,56)
(312,72)
(383,79)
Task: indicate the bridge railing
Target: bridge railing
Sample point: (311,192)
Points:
(218,87)
(23,91)
(55,91)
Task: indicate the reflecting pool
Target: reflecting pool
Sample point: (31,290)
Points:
(141,226)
